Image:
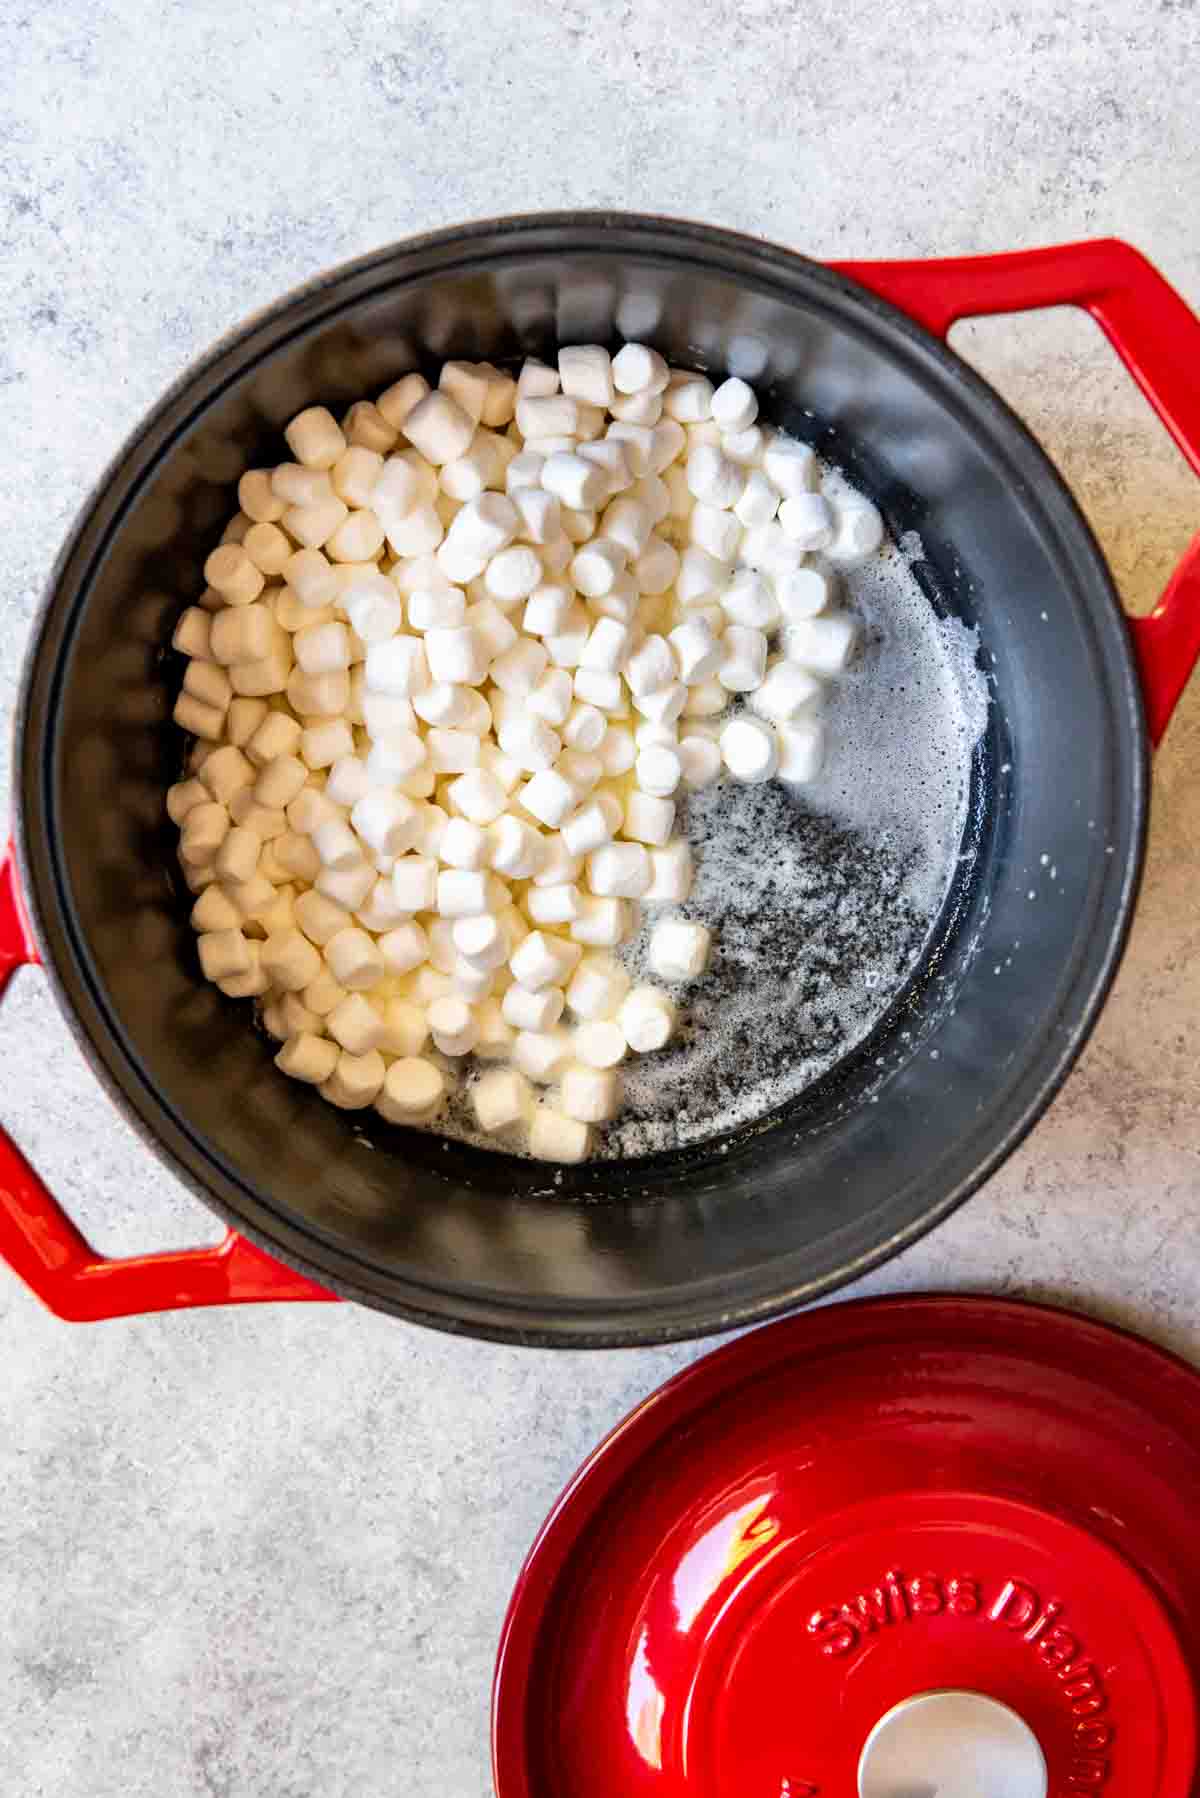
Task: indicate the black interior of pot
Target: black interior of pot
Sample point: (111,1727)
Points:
(673,1244)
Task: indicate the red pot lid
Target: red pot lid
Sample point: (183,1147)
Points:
(845,1511)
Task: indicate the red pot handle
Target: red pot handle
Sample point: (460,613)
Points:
(42,1245)
(1157,337)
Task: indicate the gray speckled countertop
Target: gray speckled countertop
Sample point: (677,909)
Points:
(265,1553)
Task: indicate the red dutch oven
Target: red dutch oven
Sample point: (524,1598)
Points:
(852,358)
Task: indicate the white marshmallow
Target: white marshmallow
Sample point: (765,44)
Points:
(600,688)
(807,519)
(617,750)
(801,751)
(585,372)
(602,924)
(568,644)
(637,442)
(749,749)
(462,893)
(439,428)
(585,726)
(477,795)
(750,600)
(787,690)
(404,947)
(619,871)
(394,758)
(637,369)
(452,1025)
(713,478)
(769,548)
(648,819)
(552,905)
(547,609)
(607,646)
(745,660)
(592,1095)
(597,987)
(672,874)
(501,1098)
(321,745)
(734,405)
(858,533)
(480,941)
(414,883)
(513,574)
(614,459)
(398,666)
(542,961)
(526,1010)
(651,667)
(555,1137)
(789,466)
(386,821)
(716,531)
(525,470)
(688,397)
(745,446)
(347,887)
(599,1043)
(463,845)
(354,960)
(701,577)
(558,866)
(679,949)
(706,699)
(413,1091)
(665,704)
(454,654)
(528,740)
(658,770)
(452,751)
(825,645)
(697,649)
(552,697)
(647,1019)
(307,1057)
(574,480)
(803,593)
(514,848)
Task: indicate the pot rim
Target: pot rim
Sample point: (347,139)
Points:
(472,1310)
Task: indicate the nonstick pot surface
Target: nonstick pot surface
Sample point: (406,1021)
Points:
(673,1244)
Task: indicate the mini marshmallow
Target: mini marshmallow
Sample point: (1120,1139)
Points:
(697,650)
(672,874)
(651,667)
(455,654)
(541,1055)
(547,609)
(665,704)
(759,502)
(463,845)
(617,750)
(462,892)
(716,531)
(513,574)
(803,593)
(749,600)
(403,948)
(580,768)
(301,486)
(452,751)
(225,773)
(452,1025)
(825,645)
(477,795)
(418,533)
(540,514)
(586,829)
(658,770)
(688,397)
(858,533)
(551,697)
(567,645)
(313,526)
(628,524)
(393,759)
(620,602)
(614,459)
(679,949)
(413,1091)
(619,871)
(574,480)
(347,887)
(745,660)
(801,751)
(638,443)
(525,470)
(808,520)
(602,924)
(597,566)
(542,961)
(414,883)
(745,446)
(749,749)
(585,373)
(526,1010)
(706,699)
(786,692)
(501,1098)
(597,987)
(600,1043)
(701,577)
(467,383)
(647,1019)
(734,405)
(637,369)
(311,578)
(514,848)
(439,428)
(307,1057)
(648,819)
(237,857)
(555,1137)
(480,941)
(529,741)
(373,607)
(322,648)
(387,822)
(355,1081)
(319,918)
(315,438)
(223,954)
(355,1024)
(553,904)
(769,548)
(790,467)
(318,695)
(396,491)
(399,666)
(713,478)
(242,634)
(321,745)
(607,646)
(290,960)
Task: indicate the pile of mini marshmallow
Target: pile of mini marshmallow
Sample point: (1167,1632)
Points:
(453,664)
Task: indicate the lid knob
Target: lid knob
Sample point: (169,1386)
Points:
(952,1745)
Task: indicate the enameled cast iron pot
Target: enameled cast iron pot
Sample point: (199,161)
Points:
(852,358)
